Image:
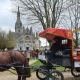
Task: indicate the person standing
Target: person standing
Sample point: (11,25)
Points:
(27,53)
(37,52)
(33,54)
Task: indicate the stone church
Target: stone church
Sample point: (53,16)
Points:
(25,37)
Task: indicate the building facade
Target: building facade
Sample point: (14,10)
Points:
(25,37)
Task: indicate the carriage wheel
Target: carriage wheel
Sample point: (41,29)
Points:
(44,74)
(56,75)
(40,73)
(75,72)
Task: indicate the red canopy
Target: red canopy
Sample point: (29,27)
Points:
(50,33)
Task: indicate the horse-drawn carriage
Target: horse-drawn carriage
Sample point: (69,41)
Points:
(48,71)
(66,59)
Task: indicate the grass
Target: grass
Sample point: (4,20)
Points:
(61,68)
(31,58)
(38,63)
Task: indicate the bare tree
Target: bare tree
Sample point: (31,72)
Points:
(50,13)
(45,12)
(73,17)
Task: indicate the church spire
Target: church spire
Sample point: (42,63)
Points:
(18,24)
(18,14)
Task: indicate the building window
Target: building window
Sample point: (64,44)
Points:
(19,30)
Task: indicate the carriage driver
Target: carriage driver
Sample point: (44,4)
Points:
(56,46)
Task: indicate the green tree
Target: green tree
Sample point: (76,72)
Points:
(3,40)
(11,42)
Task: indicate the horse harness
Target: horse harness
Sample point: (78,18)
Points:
(13,59)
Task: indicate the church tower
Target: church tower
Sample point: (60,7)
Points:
(25,37)
(18,24)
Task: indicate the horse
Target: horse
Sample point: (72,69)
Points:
(17,60)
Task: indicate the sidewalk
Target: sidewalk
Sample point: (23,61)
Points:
(32,61)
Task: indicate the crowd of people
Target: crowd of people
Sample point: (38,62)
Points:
(38,54)
(44,54)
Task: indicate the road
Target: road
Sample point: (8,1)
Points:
(8,76)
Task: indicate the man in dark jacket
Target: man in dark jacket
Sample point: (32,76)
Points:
(56,45)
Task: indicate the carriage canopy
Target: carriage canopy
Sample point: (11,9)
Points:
(50,33)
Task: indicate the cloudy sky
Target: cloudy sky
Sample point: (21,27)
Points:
(7,18)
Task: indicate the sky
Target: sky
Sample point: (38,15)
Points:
(7,18)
